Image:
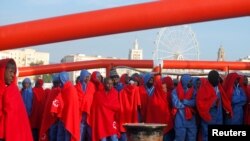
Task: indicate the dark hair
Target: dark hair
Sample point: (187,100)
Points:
(106,80)
(214,77)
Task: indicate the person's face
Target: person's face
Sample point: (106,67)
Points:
(236,82)
(245,81)
(190,84)
(99,78)
(164,87)
(198,83)
(108,85)
(150,82)
(86,79)
(26,85)
(136,83)
(115,79)
(9,74)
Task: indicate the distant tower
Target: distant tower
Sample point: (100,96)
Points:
(135,53)
(221,54)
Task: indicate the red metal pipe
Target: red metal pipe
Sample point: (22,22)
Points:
(53,68)
(168,64)
(221,65)
(118,20)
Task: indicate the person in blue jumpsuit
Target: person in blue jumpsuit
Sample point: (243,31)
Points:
(85,130)
(216,110)
(238,100)
(27,95)
(185,128)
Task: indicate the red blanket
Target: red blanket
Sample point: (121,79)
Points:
(130,101)
(188,95)
(105,107)
(158,105)
(70,111)
(37,107)
(48,118)
(85,98)
(206,97)
(14,123)
(144,101)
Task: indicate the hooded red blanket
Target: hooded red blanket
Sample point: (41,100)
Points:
(37,107)
(85,98)
(70,112)
(14,123)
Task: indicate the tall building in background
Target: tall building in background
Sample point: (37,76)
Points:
(221,54)
(82,57)
(26,57)
(135,53)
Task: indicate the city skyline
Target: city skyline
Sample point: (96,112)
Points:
(232,34)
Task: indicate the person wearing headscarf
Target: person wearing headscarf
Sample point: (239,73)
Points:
(14,123)
(183,101)
(49,125)
(86,90)
(38,104)
(104,110)
(211,100)
(168,86)
(27,95)
(237,97)
(96,78)
(146,89)
(66,107)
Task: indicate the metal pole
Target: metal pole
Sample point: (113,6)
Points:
(118,20)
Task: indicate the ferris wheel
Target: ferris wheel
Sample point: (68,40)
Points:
(176,43)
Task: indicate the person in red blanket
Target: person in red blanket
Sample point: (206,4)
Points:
(130,102)
(14,123)
(104,110)
(37,108)
(48,130)
(183,100)
(211,100)
(86,90)
(237,97)
(246,88)
(66,108)
(168,86)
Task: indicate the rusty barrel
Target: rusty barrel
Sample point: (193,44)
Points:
(144,131)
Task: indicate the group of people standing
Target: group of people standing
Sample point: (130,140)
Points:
(96,108)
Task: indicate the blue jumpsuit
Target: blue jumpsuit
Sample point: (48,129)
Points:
(185,130)
(239,99)
(85,130)
(27,96)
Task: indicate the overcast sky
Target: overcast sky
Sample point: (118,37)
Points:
(232,34)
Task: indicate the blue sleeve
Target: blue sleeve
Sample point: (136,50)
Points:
(190,103)
(239,99)
(175,101)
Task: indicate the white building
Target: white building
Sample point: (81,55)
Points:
(245,59)
(82,57)
(26,57)
(135,53)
